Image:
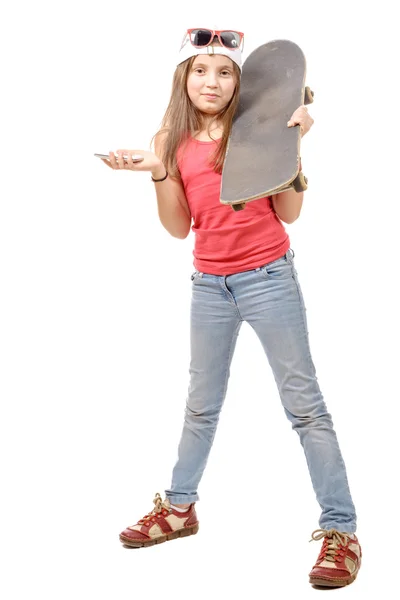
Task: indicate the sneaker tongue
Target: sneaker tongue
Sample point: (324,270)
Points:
(167,503)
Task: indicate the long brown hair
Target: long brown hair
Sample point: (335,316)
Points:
(182,120)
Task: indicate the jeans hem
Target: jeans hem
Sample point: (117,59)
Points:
(342,527)
(176,499)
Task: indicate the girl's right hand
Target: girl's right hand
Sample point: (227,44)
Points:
(150,162)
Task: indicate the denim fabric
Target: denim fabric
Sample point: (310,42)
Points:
(269,298)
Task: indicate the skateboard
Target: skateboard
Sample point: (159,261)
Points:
(263,153)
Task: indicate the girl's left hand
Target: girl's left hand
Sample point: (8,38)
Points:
(302,118)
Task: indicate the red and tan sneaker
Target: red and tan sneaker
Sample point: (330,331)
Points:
(339,561)
(163,523)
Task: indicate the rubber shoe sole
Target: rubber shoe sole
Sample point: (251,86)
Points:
(334,583)
(161,539)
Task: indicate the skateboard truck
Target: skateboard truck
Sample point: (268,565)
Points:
(308,96)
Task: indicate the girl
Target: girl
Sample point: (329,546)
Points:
(244,272)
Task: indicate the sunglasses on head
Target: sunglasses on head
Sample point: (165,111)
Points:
(199,38)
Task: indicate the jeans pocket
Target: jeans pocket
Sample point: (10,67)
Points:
(278,269)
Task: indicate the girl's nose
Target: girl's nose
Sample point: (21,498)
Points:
(212,80)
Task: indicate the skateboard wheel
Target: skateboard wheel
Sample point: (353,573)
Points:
(238,206)
(308,96)
(300,183)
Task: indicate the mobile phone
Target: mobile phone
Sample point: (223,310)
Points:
(135,157)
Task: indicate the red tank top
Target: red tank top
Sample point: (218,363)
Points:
(226,241)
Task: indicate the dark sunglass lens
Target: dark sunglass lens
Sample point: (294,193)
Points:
(230,39)
(200,37)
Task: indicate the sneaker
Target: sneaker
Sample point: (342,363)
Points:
(339,561)
(163,523)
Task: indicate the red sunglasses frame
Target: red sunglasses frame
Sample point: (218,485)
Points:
(213,34)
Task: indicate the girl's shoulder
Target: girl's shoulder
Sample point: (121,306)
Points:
(160,139)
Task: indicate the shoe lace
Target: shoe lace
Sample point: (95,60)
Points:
(159,507)
(334,543)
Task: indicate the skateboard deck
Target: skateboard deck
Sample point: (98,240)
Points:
(263,154)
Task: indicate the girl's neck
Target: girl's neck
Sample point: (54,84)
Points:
(209,132)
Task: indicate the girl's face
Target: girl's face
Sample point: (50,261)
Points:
(211,82)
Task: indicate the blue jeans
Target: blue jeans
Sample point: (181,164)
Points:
(269,298)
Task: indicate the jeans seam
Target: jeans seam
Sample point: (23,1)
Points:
(304,318)
(230,356)
(224,390)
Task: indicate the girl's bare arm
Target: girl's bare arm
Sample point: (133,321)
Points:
(173,209)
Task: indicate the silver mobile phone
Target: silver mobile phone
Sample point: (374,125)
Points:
(135,157)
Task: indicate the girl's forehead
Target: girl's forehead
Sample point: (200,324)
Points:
(213,60)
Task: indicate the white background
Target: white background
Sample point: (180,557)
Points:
(95,310)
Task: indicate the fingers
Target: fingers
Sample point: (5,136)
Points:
(117,159)
(113,161)
(122,160)
(132,160)
(298,115)
(130,164)
(302,118)
(107,162)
